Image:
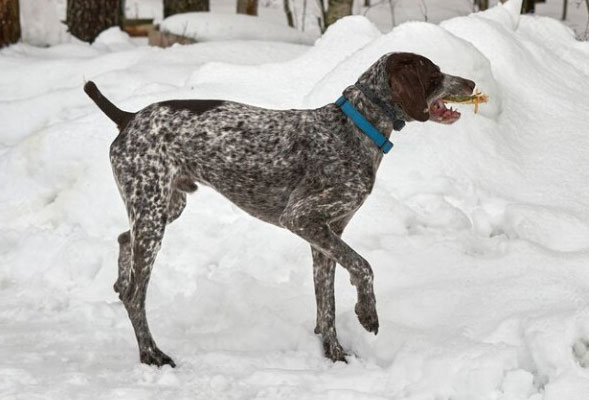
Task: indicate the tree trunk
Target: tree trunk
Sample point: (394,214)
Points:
(392,9)
(366,3)
(528,6)
(249,7)
(288,12)
(9,22)
(87,18)
(565,4)
(337,9)
(172,7)
(483,4)
(321,18)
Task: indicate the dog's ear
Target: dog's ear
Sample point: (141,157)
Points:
(408,88)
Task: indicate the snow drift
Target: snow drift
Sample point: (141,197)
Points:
(477,232)
(206,26)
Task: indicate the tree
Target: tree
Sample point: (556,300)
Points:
(172,7)
(288,12)
(565,4)
(337,9)
(87,18)
(585,36)
(528,6)
(483,4)
(249,7)
(423,9)
(9,22)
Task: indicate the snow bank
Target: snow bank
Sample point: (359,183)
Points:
(56,73)
(206,26)
(476,231)
(290,81)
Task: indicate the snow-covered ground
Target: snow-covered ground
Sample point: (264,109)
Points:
(211,26)
(477,232)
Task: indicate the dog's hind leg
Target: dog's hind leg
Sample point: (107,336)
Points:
(147,231)
(147,198)
(122,282)
(176,205)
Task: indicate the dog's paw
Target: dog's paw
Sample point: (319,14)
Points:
(156,357)
(334,351)
(366,313)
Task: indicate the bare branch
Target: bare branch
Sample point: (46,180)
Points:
(423,9)
(372,5)
(587,26)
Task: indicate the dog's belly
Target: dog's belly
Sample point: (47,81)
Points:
(260,192)
(268,206)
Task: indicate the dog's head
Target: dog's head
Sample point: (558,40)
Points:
(417,85)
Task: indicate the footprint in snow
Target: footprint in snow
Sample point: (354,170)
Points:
(581,352)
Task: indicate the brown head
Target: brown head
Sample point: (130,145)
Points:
(418,86)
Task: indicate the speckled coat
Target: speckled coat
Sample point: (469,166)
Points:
(304,170)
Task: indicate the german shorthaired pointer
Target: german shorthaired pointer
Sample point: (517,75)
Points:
(304,170)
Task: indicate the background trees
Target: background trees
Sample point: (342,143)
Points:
(87,18)
(482,4)
(337,9)
(172,7)
(528,6)
(249,7)
(9,22)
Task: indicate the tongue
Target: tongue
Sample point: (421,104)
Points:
(439,109)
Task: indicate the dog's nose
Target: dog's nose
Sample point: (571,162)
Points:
(470,84)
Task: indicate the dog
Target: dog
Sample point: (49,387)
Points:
(307,171)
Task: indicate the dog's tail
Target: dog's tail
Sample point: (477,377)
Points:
(118,116)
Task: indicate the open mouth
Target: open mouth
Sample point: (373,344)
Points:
(438,112)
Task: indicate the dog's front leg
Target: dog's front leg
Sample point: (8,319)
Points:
(323,278)
(361,275)
(309,215)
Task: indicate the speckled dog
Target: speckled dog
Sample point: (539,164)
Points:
(304,170)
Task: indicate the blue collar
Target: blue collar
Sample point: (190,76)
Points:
(381,141)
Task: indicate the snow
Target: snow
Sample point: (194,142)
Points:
(206,26)
(477,232)
(41,22)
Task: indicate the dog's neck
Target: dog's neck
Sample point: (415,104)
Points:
(374,115)
(369,110)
